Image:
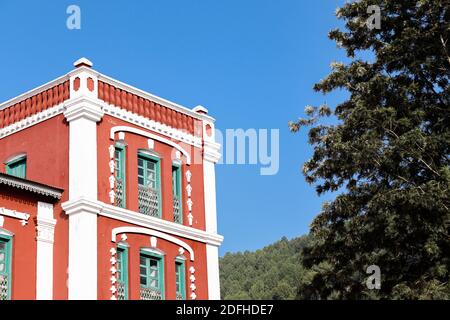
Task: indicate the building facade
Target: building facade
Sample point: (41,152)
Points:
(106,192)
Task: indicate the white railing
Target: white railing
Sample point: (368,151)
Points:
(4,287)
(176,209)
(148,201)
(150,294)
(120,193)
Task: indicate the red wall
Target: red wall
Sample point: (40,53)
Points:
(135,142)
(46,145)
(138,241)
(24,242)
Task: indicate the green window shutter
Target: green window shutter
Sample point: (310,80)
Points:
(149,185)
(120,176)
(5,267)
(180,275)
(17,168)
(177,198)
(151,271)
(122,273)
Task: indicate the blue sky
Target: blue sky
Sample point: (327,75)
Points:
(251,63)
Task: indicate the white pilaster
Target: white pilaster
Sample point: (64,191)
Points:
(83,111)
(45,227)
(212,256)
(211,156)
(82,280)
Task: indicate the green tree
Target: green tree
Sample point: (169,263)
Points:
(387,154)
(270,273)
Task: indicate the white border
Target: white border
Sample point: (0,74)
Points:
(150,232)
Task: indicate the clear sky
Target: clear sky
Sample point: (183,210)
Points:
(252,63)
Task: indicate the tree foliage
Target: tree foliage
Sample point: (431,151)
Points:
(387,154)
(272,273)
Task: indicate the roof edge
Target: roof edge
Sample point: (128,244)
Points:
(31,186)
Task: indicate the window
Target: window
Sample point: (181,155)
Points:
(151,277)
(177,201)
(122,273)
(180,275)
(17,167)
(149,189)
(5,267)
(120,176)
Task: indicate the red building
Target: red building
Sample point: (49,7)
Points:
(106,192)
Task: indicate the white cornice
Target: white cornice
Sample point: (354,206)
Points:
(211,151)
(124,215)
(83,107)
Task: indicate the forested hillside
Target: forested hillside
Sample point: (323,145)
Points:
(273,272)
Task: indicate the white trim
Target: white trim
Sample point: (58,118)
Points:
(45,227)
(155,233)
(212,265)
(15,158)
(14,214)
(146,134)
(142,220)
(6,232)
(141,121)
(111,110)
(31,120)
(153,251)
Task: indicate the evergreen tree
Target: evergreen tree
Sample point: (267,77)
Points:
(387,155)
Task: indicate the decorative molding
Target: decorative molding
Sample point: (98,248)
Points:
(45,233)
(189,201)
(14,214)
(84,204)
(152,97)
(154,251)
(45,230)
(150,135)
(153,241)
(193,287)
(211,151)
(32,186)
(119,230)
(152,125)
(34,92)
(31,120)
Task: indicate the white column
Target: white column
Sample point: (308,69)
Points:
(211,156)
(45,227)
(82,112)
(82,280)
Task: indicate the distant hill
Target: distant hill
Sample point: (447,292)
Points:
(273,272)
